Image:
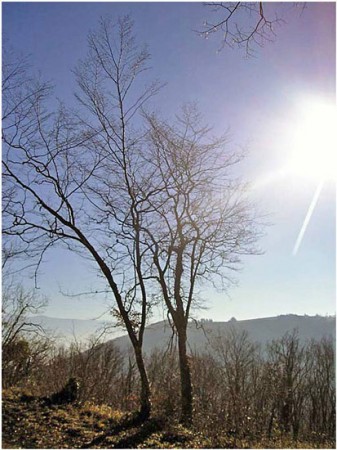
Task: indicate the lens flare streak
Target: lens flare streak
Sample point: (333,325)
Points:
(308,217)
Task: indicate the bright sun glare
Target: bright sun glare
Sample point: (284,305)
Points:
(314,142)
(314,150)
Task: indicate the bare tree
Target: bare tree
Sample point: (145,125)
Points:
(97,368)
(163,372)
(24,342)
(75,181)
(17,306)
(245,24)
(19,92)
(155,211)
(198,224)
(239,360)
(290,367)
(322,387)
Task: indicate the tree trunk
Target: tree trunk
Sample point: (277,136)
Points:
(185,380)
(271,420)
(145,401)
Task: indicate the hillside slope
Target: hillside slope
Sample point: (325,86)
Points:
(159,335)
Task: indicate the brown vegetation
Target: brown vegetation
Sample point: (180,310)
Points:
(283,397)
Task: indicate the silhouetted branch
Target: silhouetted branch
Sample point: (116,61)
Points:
(244,24)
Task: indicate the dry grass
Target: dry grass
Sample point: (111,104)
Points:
(30,422)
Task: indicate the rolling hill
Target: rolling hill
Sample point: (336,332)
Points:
(264,330)
(159,335)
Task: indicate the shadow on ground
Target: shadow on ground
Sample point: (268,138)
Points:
(135,432)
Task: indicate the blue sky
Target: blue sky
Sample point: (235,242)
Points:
(256,98)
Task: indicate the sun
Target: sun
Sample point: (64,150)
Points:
(313,149)
(313,143)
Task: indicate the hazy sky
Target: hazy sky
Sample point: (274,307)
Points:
(258,99)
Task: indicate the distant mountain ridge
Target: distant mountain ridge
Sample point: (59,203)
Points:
(159,335)
(262,330)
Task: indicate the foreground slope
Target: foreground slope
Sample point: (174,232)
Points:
(30,422)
